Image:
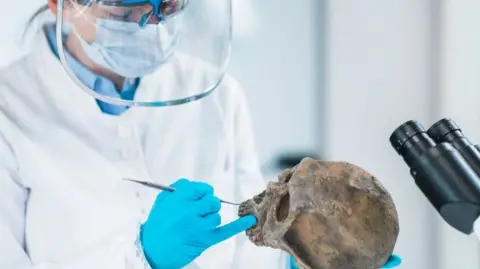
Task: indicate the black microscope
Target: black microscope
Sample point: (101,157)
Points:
(446,168)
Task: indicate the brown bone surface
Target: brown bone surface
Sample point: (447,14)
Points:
(327,215)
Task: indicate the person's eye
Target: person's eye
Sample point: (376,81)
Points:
(120,15)
(116,17)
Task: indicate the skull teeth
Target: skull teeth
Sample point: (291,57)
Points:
(242,209)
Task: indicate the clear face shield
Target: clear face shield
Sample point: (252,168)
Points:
(183,46)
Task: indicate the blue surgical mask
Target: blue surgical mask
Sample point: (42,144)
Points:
(130,50)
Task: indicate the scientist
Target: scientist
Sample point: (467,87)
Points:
(75,124)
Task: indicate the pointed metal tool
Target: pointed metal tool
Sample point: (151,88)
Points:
(167,188)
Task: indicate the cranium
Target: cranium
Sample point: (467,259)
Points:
(327,215)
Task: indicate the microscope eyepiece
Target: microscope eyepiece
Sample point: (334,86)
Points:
(411,141)
(446,168)
(404,133)
(445,130)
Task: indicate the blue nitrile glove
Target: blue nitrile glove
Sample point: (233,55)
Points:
(184,223)
(392,262)
(293,265)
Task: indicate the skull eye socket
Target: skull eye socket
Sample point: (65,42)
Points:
(283,207)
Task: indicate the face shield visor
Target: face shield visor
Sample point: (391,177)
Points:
(180,48)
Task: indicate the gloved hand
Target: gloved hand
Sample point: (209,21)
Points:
(184,223)
(392,262)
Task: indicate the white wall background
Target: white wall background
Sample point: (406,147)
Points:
(279,66)
(379,76)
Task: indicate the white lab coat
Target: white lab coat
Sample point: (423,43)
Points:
(63,203)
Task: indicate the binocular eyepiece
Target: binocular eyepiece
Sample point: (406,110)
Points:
(445,166)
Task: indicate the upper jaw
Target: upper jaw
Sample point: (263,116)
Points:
(250,207)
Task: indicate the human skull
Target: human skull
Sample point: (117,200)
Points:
(327,215)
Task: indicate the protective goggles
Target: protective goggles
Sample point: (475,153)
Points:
(140,11)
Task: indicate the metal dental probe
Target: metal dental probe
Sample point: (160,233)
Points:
(167,188)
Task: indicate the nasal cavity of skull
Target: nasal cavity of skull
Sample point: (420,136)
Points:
(283,207)
(259,198)
(288,177)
